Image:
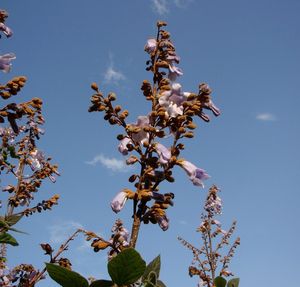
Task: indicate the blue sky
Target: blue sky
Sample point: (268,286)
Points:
(247,51)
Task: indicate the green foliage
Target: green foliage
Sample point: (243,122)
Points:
(151,280)
(13,219)
(160,284)
(65,277)
(102,283)
(220,281)
(153,266)
(233,282)
(8,239)
(127,267)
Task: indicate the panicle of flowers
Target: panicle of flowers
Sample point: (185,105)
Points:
(208,261)
(171,116)
(23,167)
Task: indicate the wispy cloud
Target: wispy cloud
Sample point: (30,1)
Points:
(112,163)
(267,117)
(112,75)
(183,222)
(160,6)
(60,232)
(182,3)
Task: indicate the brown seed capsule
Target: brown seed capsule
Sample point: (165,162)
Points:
(189,135)
(112,96)
(118,108)
(94,86)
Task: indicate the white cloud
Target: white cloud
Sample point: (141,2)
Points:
(113,164)
(160,6)
(266,117)
(60,232)
(111,75)
(182,3)
(183,222)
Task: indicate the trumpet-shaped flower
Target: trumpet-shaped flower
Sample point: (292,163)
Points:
(163,153)
(123,149)
(172,100)
(141,136)
(6,30)
(163,222)
(150,45)
(119,201)
(174,72)
(196,175)
(5,62)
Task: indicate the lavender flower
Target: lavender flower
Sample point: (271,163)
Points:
(163,153)
(119,201)
(196,175)
(123,149)
(150,45)
(141,136)
(174,72)
(172,100)
(213,203)
(37,158)
(163,222)
(6,30)
(5,60)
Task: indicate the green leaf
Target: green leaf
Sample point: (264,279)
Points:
(154,266)
(234,282)
(16,230)
(151,280)
(220,281)
(160,284)
(12,151)
(127,267)
(13,219)
(102,283)
(65,277)
(8,239)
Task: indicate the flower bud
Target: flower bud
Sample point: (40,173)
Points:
(94,86)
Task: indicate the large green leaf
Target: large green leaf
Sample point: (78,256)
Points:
(13,219)
(102,283)
(154,266)
(220,281)
(151,280)
(8,239)
(160,284)
(127,267)
(234,282)
(65,277)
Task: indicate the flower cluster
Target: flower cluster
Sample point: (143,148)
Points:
(171,116)
(23,166)
(206,268)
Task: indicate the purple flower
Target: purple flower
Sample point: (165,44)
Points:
(5,60)
(150,45)
(157,196)
(37,158)
(119,201)
(163,222)
(172,100)
(196,175)
(174,72)
(141,136)
(123,149)
(6,30)
(163,153)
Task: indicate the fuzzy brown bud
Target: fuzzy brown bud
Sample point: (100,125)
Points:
(94,86)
